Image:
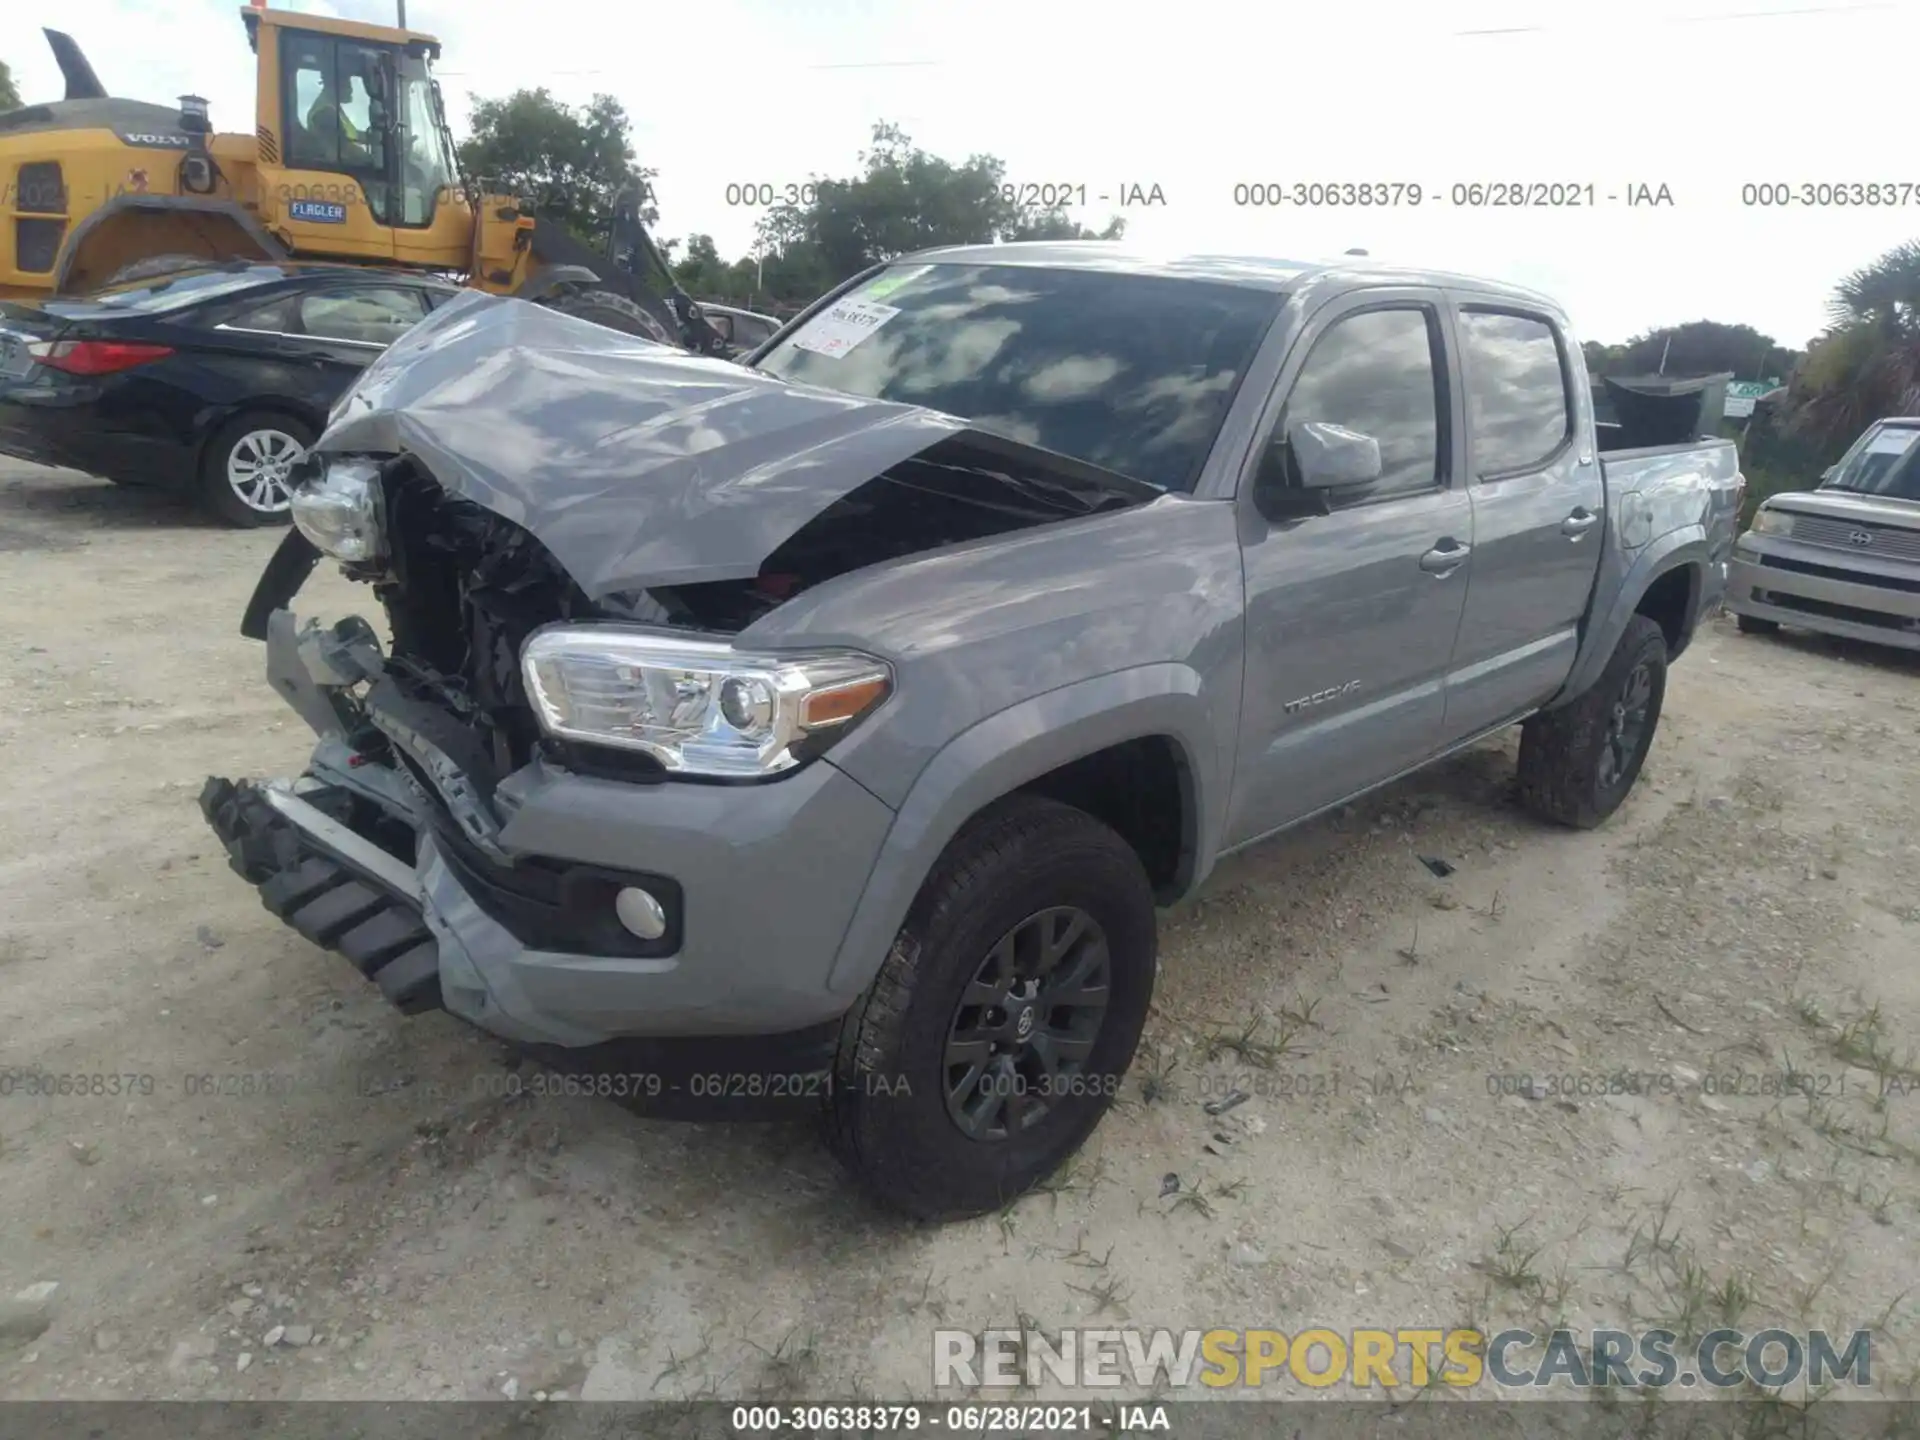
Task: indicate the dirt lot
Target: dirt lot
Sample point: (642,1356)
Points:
(1751,914)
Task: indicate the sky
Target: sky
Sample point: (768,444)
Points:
(1702,97)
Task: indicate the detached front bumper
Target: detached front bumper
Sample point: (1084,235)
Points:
(518,934)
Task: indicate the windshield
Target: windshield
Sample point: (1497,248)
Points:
(1133,373)
(1886,462)
(426,164)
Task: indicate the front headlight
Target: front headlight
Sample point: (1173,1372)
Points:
(697,707)
(1772,522)
(339,509)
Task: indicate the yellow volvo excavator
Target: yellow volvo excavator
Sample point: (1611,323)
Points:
(350,159)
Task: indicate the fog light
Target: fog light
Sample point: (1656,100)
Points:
(640,913)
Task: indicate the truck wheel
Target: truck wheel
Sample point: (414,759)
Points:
(1754,625)
(616,312)
(1004,1018)
(1577,763)
(245,471)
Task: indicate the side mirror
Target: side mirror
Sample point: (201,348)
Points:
(1330,457)
(1324,458)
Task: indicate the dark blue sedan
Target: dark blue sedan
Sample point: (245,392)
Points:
(210,381)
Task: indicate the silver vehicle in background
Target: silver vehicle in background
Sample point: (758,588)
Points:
(1843,559)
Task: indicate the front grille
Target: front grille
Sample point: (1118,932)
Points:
(1884,540)
(1853,614)
(1852,577)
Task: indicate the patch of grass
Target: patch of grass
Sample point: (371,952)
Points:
(1251,1044)
(1653,1243)
(1111,1293)
(1193,1200)
(676,1363)
(1231,1189)
(788,1365)
(1511,1265)
(1156,1076)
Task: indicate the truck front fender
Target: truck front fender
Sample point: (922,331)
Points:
(1684,548)
(1013,748)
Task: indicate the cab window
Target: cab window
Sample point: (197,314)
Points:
(336,110)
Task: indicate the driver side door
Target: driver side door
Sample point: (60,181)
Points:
(1351,615)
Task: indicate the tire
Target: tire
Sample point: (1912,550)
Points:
(260,437)
(1575,767)
(1022,869)
(1754,625)
(154,266)
(616,312)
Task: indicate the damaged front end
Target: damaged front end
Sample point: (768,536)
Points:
(568,799)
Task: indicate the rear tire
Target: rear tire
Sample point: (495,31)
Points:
(1578,763)
(902,1116)
(616,312)
(245,470)
(1754,625)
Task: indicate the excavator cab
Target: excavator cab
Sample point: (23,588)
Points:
(350,159)
(355,158)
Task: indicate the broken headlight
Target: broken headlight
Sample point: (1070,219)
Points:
(338,509)
(699,708)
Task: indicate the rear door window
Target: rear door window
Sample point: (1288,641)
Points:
(374,316)
(1518,415)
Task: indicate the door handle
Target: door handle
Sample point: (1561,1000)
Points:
(1578,523)
(1445,558)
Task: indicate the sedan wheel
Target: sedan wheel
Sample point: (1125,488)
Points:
(247,468)
(259,467)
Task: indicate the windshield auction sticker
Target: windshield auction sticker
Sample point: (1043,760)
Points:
(843,326)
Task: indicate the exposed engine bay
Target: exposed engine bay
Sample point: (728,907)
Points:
(463,588)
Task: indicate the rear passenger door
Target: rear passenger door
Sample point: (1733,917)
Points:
(348,327)
(1350,615)
(1538,503)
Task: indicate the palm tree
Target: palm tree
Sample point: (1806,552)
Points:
(1867,365)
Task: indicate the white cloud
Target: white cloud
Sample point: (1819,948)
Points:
(1701,95)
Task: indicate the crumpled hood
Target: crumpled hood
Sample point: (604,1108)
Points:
(634,463)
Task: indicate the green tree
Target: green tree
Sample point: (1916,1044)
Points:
(9,92)
(568,162)
(1867,363)
(1700,347)
(904,199)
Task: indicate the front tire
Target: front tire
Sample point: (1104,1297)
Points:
(1003,1019)
(1578,763)
(245,474)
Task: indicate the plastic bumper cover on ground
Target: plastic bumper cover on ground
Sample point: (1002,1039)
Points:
(1827,590)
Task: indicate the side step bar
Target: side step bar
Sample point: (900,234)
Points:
(338,889)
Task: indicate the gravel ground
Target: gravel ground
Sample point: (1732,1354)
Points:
(363,1213)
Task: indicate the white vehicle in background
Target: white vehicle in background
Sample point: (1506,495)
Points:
(1843,559)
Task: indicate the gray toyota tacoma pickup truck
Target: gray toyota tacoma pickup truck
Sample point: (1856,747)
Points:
(832,724)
